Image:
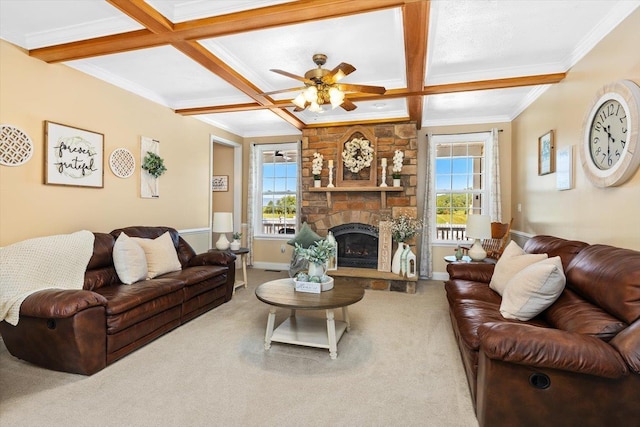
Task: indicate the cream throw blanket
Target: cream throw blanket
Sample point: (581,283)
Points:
(41,263)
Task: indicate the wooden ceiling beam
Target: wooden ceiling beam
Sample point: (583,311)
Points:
(146,15)
(416,31)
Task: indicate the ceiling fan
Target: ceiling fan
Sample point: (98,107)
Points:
(322,87)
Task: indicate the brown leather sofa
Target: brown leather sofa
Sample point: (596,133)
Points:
(575,364)
(83,331)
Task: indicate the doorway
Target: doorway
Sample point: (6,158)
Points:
(228,163)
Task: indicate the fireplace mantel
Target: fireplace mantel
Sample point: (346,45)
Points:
(382,190)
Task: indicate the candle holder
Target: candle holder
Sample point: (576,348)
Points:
(384,173)
(330,185)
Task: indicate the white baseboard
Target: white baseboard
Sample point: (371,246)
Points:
(271,266)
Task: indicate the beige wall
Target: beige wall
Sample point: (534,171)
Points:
(32,91)
(587,213)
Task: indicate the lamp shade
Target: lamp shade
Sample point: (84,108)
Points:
(479,226)
(222,222)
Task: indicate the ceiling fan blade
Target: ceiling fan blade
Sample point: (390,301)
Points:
(341,70)
(347,87)
(293,76)
(283,91)
(348,105)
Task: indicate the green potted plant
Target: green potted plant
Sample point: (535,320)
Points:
(153,164)
(235,245)
(317,254)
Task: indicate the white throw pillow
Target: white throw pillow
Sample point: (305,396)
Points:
(161,255)
(129,260)
(533,290)
(513,260)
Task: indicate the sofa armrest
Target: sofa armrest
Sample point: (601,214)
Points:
(213,258)
(60,303)
(627,342)
(473,272)
(550,348)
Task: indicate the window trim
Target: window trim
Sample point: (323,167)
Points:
(257,219)
(485,138)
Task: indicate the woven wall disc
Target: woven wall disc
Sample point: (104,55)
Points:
(122,163)
(16,147)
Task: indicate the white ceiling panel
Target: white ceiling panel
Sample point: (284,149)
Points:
(174,79)
(251,123)
(33,24)
(187,10)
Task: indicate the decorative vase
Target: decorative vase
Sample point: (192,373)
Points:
(235,245)
(395,261)
(396,182)
(458,254)
(317,270)
(316,183)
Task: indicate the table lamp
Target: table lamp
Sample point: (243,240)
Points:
(478,227)
(222,223)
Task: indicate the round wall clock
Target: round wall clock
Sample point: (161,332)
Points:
(610,151)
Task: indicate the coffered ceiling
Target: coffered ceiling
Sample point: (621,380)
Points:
(442,62)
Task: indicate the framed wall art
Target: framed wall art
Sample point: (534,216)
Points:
(73,156)
(564,168)
(546,154)
(220,183)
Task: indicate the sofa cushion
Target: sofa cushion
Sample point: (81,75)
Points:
(610,278)
(465,289)
(555,246)
(305,237)
(573,313)
(513,260)
(533,289)
(129,260)
(161,255)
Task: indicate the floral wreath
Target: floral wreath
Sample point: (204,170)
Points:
(357,154)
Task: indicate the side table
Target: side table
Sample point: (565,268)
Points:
(242,252)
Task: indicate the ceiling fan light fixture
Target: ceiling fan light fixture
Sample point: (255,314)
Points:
(300,101)
(315,107)
(336,97)
(311,94)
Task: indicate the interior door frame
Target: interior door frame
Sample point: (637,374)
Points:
(237,182)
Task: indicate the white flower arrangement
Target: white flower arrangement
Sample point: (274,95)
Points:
(404,228)
(357,154)
(316,165)
(398,156)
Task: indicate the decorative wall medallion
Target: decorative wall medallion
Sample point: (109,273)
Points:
(16,147)
(122,163)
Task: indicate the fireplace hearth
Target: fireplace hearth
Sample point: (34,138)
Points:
(357,245)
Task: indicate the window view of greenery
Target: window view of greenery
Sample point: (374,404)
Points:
(459,183)
(279,184)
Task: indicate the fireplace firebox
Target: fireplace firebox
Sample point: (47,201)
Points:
(357,245)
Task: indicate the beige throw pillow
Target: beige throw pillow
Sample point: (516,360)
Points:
(129,260)
(161,255)
(513,260)
(533,290)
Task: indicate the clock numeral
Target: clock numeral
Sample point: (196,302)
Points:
(598,151)
(598,126)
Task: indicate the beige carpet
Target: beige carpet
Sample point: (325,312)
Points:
(398,366)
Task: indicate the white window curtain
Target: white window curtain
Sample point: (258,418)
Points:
(299,189)
(428,212)
(495,198)
(253,183)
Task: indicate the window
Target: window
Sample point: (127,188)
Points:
(461,185)
(276,196)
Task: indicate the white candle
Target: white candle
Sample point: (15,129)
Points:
(384,163)
(330,164)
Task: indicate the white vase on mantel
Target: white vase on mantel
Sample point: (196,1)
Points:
(316,183)
(397,182)
(395,261)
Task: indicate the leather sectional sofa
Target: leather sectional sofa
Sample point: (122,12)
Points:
(83,331)
(575,364)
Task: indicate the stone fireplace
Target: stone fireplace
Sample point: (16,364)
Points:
(353,210)
(357,245)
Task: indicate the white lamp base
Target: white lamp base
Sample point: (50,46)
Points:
(222,243)
(477,252)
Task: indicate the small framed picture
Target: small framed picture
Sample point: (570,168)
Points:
(220,183)
(546,154)
(564,168)
(73,156)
